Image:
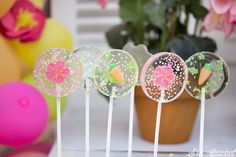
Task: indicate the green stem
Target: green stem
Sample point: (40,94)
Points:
(139,39)
(164,35)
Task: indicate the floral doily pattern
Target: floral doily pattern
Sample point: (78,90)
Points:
(115,71)
(58,72)
(164,71)
(88,56)
(209,71)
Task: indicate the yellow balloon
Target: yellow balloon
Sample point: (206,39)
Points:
(9,65)
(51,101)
(54,35)
(5,5)
(38,3)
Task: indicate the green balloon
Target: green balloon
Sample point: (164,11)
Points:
(51,101)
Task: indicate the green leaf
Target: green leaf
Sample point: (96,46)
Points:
(189,45)
(169,3)
(118,36)
(132,10)
(196,9)
(156,14)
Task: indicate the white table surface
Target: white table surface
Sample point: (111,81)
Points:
(220,126)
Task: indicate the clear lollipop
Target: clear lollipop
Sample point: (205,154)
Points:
(163,79)
(58,72)
(115,74)
(208,75)
(87,55)
(140,54)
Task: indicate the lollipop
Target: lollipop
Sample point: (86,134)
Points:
(116,74)
(87,55)
(58,73)
(208,76)
(163,79)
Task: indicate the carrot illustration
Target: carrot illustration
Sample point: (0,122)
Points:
(205,73)
(117,75)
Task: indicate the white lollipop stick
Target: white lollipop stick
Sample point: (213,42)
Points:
(87,132)
(58,127)
(201,140)
(109,123)
(131,123)
(158,122)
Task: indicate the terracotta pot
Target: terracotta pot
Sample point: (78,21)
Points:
(177,118)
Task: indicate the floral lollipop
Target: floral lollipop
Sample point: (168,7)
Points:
(163,79)
(115,74)
(87,55)
(58,73)
(208,76)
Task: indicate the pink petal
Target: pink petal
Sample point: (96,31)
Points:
(167,68)
(103,3)
(51,67)
(49,75)
(59,80)
(8,21)
(232,18)
(59,65)
(22,4)
(66,72)
(158,71)
(158,81)
(211,21)
(171,77)
(228,27)
(221,6)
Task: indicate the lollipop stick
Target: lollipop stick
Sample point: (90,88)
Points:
(131,122)
(87,145)
(201,140)
(158,121)
(58,127)
(109,123)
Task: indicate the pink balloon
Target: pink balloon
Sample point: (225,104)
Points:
(43,148)
(23,115)
(29,154)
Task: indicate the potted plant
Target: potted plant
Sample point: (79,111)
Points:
(164,26)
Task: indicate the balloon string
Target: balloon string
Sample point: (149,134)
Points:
(131,122)
(58,126)
(87,116)
(158,121)
(109,123)
(201,140)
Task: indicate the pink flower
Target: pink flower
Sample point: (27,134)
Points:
(219,22)
(164,76)
(225,7)
(102,3)
(23,21)
(57,72)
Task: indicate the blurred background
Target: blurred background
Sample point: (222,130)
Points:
(29,27)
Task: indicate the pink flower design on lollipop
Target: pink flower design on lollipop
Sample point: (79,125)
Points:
(24,22)
(164,76)
(57,72)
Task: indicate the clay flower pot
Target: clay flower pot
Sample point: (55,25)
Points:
(177,118)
